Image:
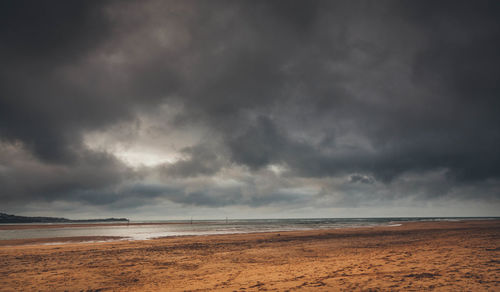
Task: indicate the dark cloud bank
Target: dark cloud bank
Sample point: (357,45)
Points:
(364,101)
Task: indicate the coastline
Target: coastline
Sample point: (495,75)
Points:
(461,255)
(17,226)
(414,225)
(397,221)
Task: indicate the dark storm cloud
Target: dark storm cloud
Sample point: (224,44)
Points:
(261,144)
(38,106)
(358,178)
(54,32)
(201,160)
(370,90)
(53,84)
(449,121)
(232,196)
(460,64)
(24,178)
(47,101)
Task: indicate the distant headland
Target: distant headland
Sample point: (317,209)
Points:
(7,218)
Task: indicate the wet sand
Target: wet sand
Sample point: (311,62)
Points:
(443,256)
(65,225)
(56,240)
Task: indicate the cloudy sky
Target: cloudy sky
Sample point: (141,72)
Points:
(248,109)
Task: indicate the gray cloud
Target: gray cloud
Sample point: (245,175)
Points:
(40,106)
(24,178)
(375,92)
(201,160)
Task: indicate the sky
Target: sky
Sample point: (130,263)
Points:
(249,109)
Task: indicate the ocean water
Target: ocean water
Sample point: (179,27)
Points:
(208,227)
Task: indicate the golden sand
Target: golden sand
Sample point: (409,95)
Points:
(445,256)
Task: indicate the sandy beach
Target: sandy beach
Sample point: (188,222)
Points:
(443,256)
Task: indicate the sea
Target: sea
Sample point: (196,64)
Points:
(212,227)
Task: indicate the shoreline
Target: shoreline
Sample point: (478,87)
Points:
(103,239)
(457,255)
(17,226)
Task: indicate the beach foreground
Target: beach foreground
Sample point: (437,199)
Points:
(454,256)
